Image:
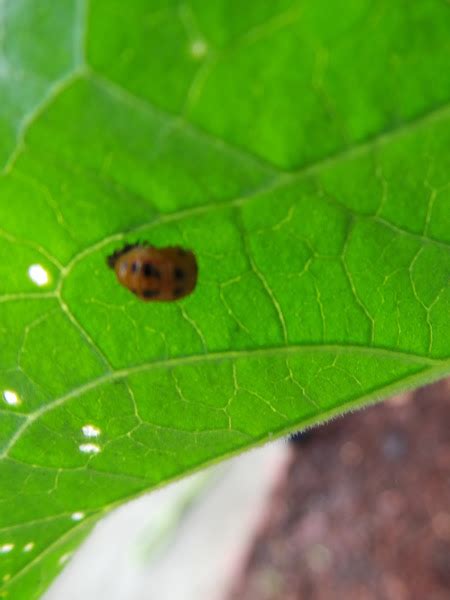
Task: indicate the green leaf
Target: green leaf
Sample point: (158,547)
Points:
(301,149)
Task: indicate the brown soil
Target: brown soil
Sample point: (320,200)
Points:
(363,512)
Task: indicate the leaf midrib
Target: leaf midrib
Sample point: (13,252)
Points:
(211,357)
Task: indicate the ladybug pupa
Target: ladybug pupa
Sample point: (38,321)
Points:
(155,274)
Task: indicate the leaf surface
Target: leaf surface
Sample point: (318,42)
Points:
(302,149)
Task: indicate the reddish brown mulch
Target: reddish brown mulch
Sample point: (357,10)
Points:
(364,510)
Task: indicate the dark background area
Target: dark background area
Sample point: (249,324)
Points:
(363,509)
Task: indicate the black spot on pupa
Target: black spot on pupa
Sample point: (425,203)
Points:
(149,270)
(178,291)
(150,293)
(178,273)
(134,267)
